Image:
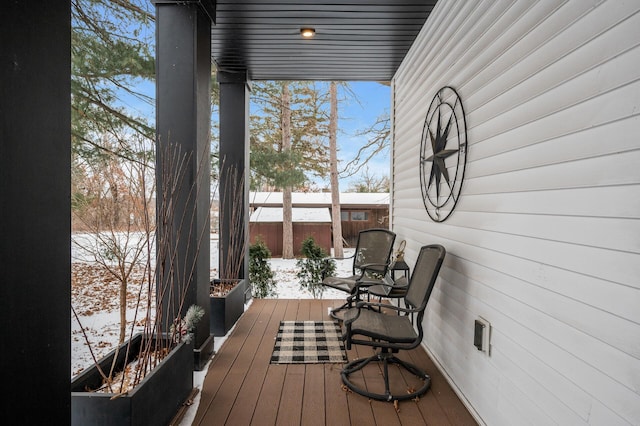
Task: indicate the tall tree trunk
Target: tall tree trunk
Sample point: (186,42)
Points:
(287,222)
(333,159)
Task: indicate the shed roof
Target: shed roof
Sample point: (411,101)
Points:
(299,214)
(302,199)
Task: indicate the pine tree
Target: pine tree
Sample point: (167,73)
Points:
(272,167)
(287,142)
(111,53)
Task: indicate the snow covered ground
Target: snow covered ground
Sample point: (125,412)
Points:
(95,301)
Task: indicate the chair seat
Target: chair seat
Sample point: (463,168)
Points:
(341,283)
(391,328)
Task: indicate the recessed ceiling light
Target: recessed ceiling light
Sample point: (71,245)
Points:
(307,32)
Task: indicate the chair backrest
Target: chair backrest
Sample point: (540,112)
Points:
(374,246)
(423,278)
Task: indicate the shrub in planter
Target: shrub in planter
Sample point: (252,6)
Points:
(313,267)
(260,273)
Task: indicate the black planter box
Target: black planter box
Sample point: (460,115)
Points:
(154,401)
(226,310)
(248,292)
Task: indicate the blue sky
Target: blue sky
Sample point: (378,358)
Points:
(371,101)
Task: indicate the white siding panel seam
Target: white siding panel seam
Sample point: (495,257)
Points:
(511,121)
(622,22)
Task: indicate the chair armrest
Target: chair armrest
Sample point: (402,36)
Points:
(368,266)
(350,316)
(339,258)
(365,304)
(363,281)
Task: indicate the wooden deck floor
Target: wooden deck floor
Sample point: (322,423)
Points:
(243,388)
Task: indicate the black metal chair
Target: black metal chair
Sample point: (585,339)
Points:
(371,261)
(390,333)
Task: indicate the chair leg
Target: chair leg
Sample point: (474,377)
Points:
(386,358)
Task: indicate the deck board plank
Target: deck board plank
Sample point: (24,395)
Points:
(261,346)
(271,386)
(267,405)
(242,387)
(337,405)
(314,396)
(222,363)
(243,341)
(290,408)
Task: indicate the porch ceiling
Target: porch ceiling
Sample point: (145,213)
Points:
(355,39)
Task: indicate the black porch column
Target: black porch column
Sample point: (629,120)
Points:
(183,100)
(234,173)
(35,212)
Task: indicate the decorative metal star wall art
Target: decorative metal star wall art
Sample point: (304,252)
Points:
(443,154)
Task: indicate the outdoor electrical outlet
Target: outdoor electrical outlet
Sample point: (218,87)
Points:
(481,335)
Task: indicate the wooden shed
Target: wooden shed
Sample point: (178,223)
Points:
(358,210)
(266,223)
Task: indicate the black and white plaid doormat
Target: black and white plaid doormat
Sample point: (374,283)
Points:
(308,342)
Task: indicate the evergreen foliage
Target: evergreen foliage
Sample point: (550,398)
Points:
(272,166)
(111,52)
(182,329)
(313,267)
(260,273)
(111,55)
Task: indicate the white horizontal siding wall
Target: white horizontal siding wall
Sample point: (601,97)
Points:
(545,239)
